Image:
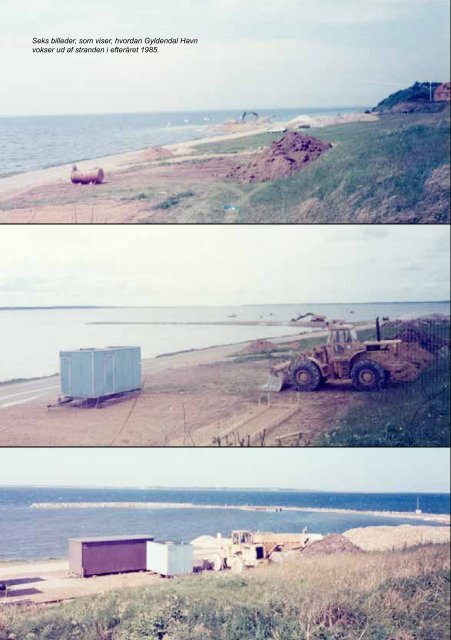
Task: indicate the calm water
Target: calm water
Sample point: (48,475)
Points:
(37,142)
(30,340)
(27,533)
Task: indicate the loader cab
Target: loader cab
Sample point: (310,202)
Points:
(342,338)
(242,537)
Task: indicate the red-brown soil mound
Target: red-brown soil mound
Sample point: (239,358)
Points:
(283,158)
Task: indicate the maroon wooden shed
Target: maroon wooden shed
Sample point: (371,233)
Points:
(112,554)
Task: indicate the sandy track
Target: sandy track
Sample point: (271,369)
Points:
(187,399)
(48,581)
(20,183)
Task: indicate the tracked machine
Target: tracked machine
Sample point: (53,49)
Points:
(367,365)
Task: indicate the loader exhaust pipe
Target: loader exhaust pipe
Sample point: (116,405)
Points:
(378,330)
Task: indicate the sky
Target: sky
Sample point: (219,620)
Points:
(222,264)
(380,470)
(251,54)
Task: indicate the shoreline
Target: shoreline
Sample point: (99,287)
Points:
(17,182)
(276,339)
(428,517)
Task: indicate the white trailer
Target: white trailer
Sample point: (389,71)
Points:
(169,558)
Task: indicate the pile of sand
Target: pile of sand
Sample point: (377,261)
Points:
(206,541)
(405,535)
(258,346)
(283,158)
(333,543)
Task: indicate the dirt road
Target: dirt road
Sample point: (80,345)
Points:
(194,398)
(48,581)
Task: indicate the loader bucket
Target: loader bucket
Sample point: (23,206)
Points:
(277,380)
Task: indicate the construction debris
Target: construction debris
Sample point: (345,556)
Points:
(285,157)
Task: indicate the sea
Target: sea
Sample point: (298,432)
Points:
(27,533)
(30,339)
(30,143)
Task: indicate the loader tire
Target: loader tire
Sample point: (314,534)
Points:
(368,375)
(237,565)
(217,563)
(306,376)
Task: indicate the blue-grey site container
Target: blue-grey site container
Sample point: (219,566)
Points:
(96,373)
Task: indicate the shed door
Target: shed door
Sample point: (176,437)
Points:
(109,373)
(66,375)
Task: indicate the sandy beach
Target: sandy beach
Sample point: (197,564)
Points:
(187,398)
(47,195)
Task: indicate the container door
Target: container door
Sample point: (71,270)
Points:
(109,385)
(66,375)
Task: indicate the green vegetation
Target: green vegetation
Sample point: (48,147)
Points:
(414,414)
(402,595)
(280,351)
(418,95)
(174,200)
(237,145)
(376,172)
(395,169)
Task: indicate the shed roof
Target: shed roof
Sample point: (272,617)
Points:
(122,538)
(110,348)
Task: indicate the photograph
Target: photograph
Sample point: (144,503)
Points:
(225,320)
(237,544)
(226,111)
(234,335)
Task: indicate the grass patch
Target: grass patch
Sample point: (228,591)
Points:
(376,173)
(172,201)
(413,414)
(398,595)
(237,145)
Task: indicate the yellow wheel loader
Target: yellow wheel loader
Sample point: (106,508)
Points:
(367,365)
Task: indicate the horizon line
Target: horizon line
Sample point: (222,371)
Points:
(213,488)
(125,113)
(184,306)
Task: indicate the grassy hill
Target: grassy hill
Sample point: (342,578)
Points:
(398,595)
(394,170)
(414,98)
